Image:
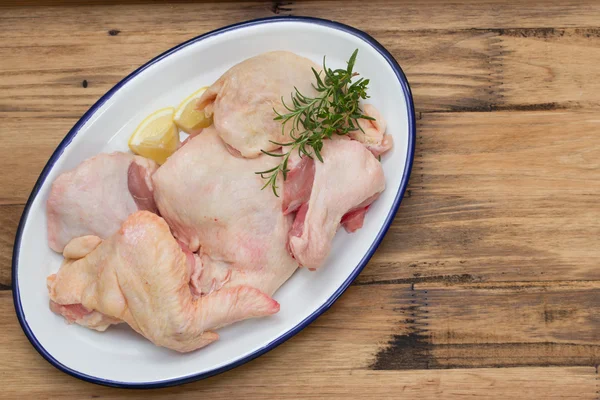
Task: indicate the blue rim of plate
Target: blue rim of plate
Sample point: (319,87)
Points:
(73,132)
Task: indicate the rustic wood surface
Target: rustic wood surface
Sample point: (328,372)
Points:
(487,284)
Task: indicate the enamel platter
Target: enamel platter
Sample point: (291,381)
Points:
(120,357)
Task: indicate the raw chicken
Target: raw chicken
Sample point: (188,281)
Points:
(97,196)
(242,100)
(213,201)
(373,134)
(141,276)
(299,182)
(76,249)
(348,180)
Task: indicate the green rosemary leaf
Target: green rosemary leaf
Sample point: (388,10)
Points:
(273,154)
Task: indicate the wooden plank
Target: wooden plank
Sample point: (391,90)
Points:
(498,196)
(515,313)
(523,69)
(555,67)
(249,382)
(494,325)
(71,3)
(408,15)
(26,146)
(9,220)
(414,15)
(341,345)
(451,70)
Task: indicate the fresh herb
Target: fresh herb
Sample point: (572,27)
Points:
(335,110)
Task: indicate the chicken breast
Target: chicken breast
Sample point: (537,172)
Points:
(141,276)
(242,100)
(214,203)
(97,196)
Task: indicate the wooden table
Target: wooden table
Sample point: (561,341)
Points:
(488,282)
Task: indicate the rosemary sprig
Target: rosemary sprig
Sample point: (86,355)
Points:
(335,110)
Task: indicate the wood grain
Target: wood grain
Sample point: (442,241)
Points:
(352,328)
(499,196)
(26,146)
(492,260)
(494,325)
(450,68)
(9,220)
(403,15)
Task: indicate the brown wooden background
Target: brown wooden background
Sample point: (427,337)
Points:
(487,284)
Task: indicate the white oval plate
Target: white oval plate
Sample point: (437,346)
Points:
(120,357)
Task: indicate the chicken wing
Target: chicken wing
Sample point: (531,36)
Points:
(141,276)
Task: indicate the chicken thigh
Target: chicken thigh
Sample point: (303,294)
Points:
(242,100)
(141,276)
(325,194)
(97,196)
(214,203)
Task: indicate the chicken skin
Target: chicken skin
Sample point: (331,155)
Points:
(242,100)
(214,204)
(326,194)
(97,196)
(141,276)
